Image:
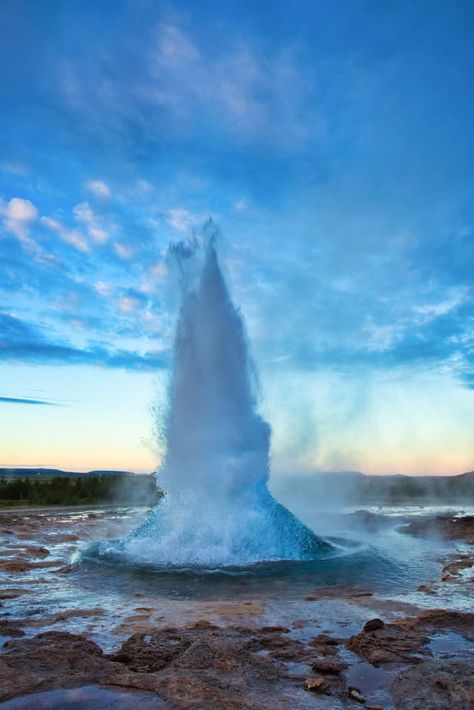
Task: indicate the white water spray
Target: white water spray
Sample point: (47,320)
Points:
(217,510)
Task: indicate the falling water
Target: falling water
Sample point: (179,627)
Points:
(217,510)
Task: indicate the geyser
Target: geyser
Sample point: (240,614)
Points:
(217,510)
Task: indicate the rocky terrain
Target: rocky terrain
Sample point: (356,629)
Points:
(197,654)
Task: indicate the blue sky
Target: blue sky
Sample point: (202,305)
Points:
(333,147)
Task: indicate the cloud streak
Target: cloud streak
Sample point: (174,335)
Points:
(22,342)
(24,400)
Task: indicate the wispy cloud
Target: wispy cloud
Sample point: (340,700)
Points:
(85,215)
(70,236)
(99,188)
(24,400)
(22,342)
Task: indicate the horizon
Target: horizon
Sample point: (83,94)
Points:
(335,153)
(281,475)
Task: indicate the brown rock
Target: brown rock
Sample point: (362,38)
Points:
(389,644)
(21,564)
(330,666)
(11,628)
(315,685)
(433,619)
(12,593)
(37,551)
(373,625)
(443,526)
(324,639)
(437,685)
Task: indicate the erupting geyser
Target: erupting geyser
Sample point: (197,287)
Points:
(218,510)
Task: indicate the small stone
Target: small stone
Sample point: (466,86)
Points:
(356,695)
(373,625)
(426,589)
(374,707)
(315,685)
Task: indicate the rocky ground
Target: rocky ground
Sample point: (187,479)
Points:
(221,655)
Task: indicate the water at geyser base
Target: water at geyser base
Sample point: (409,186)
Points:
(217,511)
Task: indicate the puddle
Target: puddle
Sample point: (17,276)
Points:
(367,677)
(452,645)
(85,698)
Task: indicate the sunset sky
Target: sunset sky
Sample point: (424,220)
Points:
(335,151)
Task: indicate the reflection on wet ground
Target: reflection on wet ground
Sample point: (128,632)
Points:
(86,698)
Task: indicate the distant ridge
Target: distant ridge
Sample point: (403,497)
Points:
(353,487)
(47,473)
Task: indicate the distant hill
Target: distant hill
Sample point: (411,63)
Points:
(353,487)
(47,473)
(322,489)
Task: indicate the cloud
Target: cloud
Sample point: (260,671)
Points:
(104,288)
(123,251)
(178,81)
(14,168)
(98,188)
(181,219)
(69,236)
(132,300)
(19,215)
(22,400)
(174,46)
(22,342)
(84,214)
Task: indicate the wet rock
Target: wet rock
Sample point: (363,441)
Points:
(453,571)
(316,685)
(32,551)
(202,624)
(11,628)
(49,660)
(436,619)
(329,666)
(76,613)
(405,640)
(22,564)
(337,592)
(274,630)
(203,663)
(325,639)
(356,695)
(325,645)
(450,528)
(426,588)
(152,652)
(65,537)
(373,625)
(283,648)
(389,644)
(438,685)
(12,593)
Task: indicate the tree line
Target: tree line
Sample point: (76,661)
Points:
(136,490)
